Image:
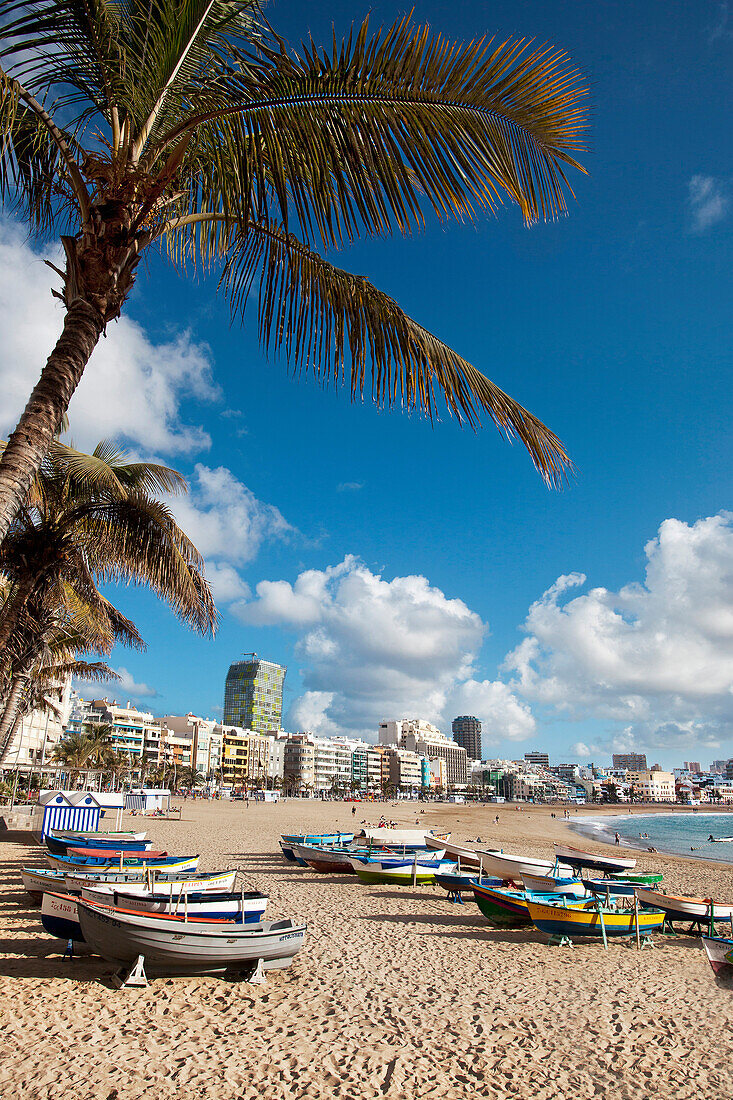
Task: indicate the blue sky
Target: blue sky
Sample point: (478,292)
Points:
(612,325)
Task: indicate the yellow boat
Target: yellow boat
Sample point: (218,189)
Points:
(592,920)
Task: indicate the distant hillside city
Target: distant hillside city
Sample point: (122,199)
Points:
(249,749)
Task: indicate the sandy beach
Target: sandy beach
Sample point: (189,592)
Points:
(397,993)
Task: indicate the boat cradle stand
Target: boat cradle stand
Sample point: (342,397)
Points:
(135,976)
(455,896)
(560,941)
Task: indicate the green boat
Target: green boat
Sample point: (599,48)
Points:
(631,876)
(508,908)
(409,872)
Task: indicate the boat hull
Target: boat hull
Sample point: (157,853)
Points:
(510,868)
(577,857)
(59,846)
(684,908)
(37,882)
(720,955)
(203,883)
(106,866)
(585,923)
(174,947)
(503,907)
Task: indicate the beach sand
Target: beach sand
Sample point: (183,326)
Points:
(397,993)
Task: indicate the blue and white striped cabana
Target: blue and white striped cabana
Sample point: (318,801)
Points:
(60,812)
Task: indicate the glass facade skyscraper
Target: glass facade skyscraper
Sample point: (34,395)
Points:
(253,694)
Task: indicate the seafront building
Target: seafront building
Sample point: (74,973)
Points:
(253,694)
(421,737)
(466,731)
(540,758)
(630,761)
(34,737)
(132,731)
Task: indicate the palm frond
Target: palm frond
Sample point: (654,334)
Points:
(334,324)
(357,139)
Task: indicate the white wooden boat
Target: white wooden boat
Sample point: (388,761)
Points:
(469,857)
(202,882)
(400,838)
(418,870)
(578,857)
(510,868)
(83,865)
(720,955)
(60,913)
(94,834)
(38,880)
(171,945)
(681,908)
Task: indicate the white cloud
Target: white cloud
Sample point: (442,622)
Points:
(371,648)
(656,658)
(133,389)
(125,686)
(349,486)
(504,717)
(228,524)
(310,712)
(708,202)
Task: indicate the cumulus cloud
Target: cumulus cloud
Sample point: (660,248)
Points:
(228,524)
(504,716)
(125,686)
(655,658)
(371,648)
(708,202)
(133,388)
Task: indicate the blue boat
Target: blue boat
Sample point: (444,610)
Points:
(455,882)
(100,863)
(59,845)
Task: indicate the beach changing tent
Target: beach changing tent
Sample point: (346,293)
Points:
(145,800)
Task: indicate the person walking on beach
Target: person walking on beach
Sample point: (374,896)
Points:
(617,839)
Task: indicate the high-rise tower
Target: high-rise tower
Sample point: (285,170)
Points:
(467,734)
(253,694)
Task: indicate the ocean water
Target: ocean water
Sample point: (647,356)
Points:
(684,834)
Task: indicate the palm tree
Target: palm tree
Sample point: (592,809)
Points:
(190,778)
(94,518)
(189,124)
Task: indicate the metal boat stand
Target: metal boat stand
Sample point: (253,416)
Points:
(645,940)
(69,950)
(258,975)
(455,897)
(560,941)
(135,976)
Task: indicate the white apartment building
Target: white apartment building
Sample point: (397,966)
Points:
(133,730)
(405,769)
(425,739)
(652,786)
(35,736)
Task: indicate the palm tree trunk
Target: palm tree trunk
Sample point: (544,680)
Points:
(46,407)
(10,714)
(10,614)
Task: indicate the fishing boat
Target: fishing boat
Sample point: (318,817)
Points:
(172,945)
(510,868)
(591,920)
(608,887)
(38,881)
(287,851)
(681,908)
(112,855)
(60,914)
(649,878)
(329,861)
(73,864)
(720,955)
(60,846)
(411,840)
(96,834)
(506,907)
(550,884)
(145,885)
(720,839)
(467,857)
(460,882)
(418,871)
(239,905)
(317,838)
(577,857)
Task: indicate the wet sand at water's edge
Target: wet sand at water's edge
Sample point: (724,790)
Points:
(397,993)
